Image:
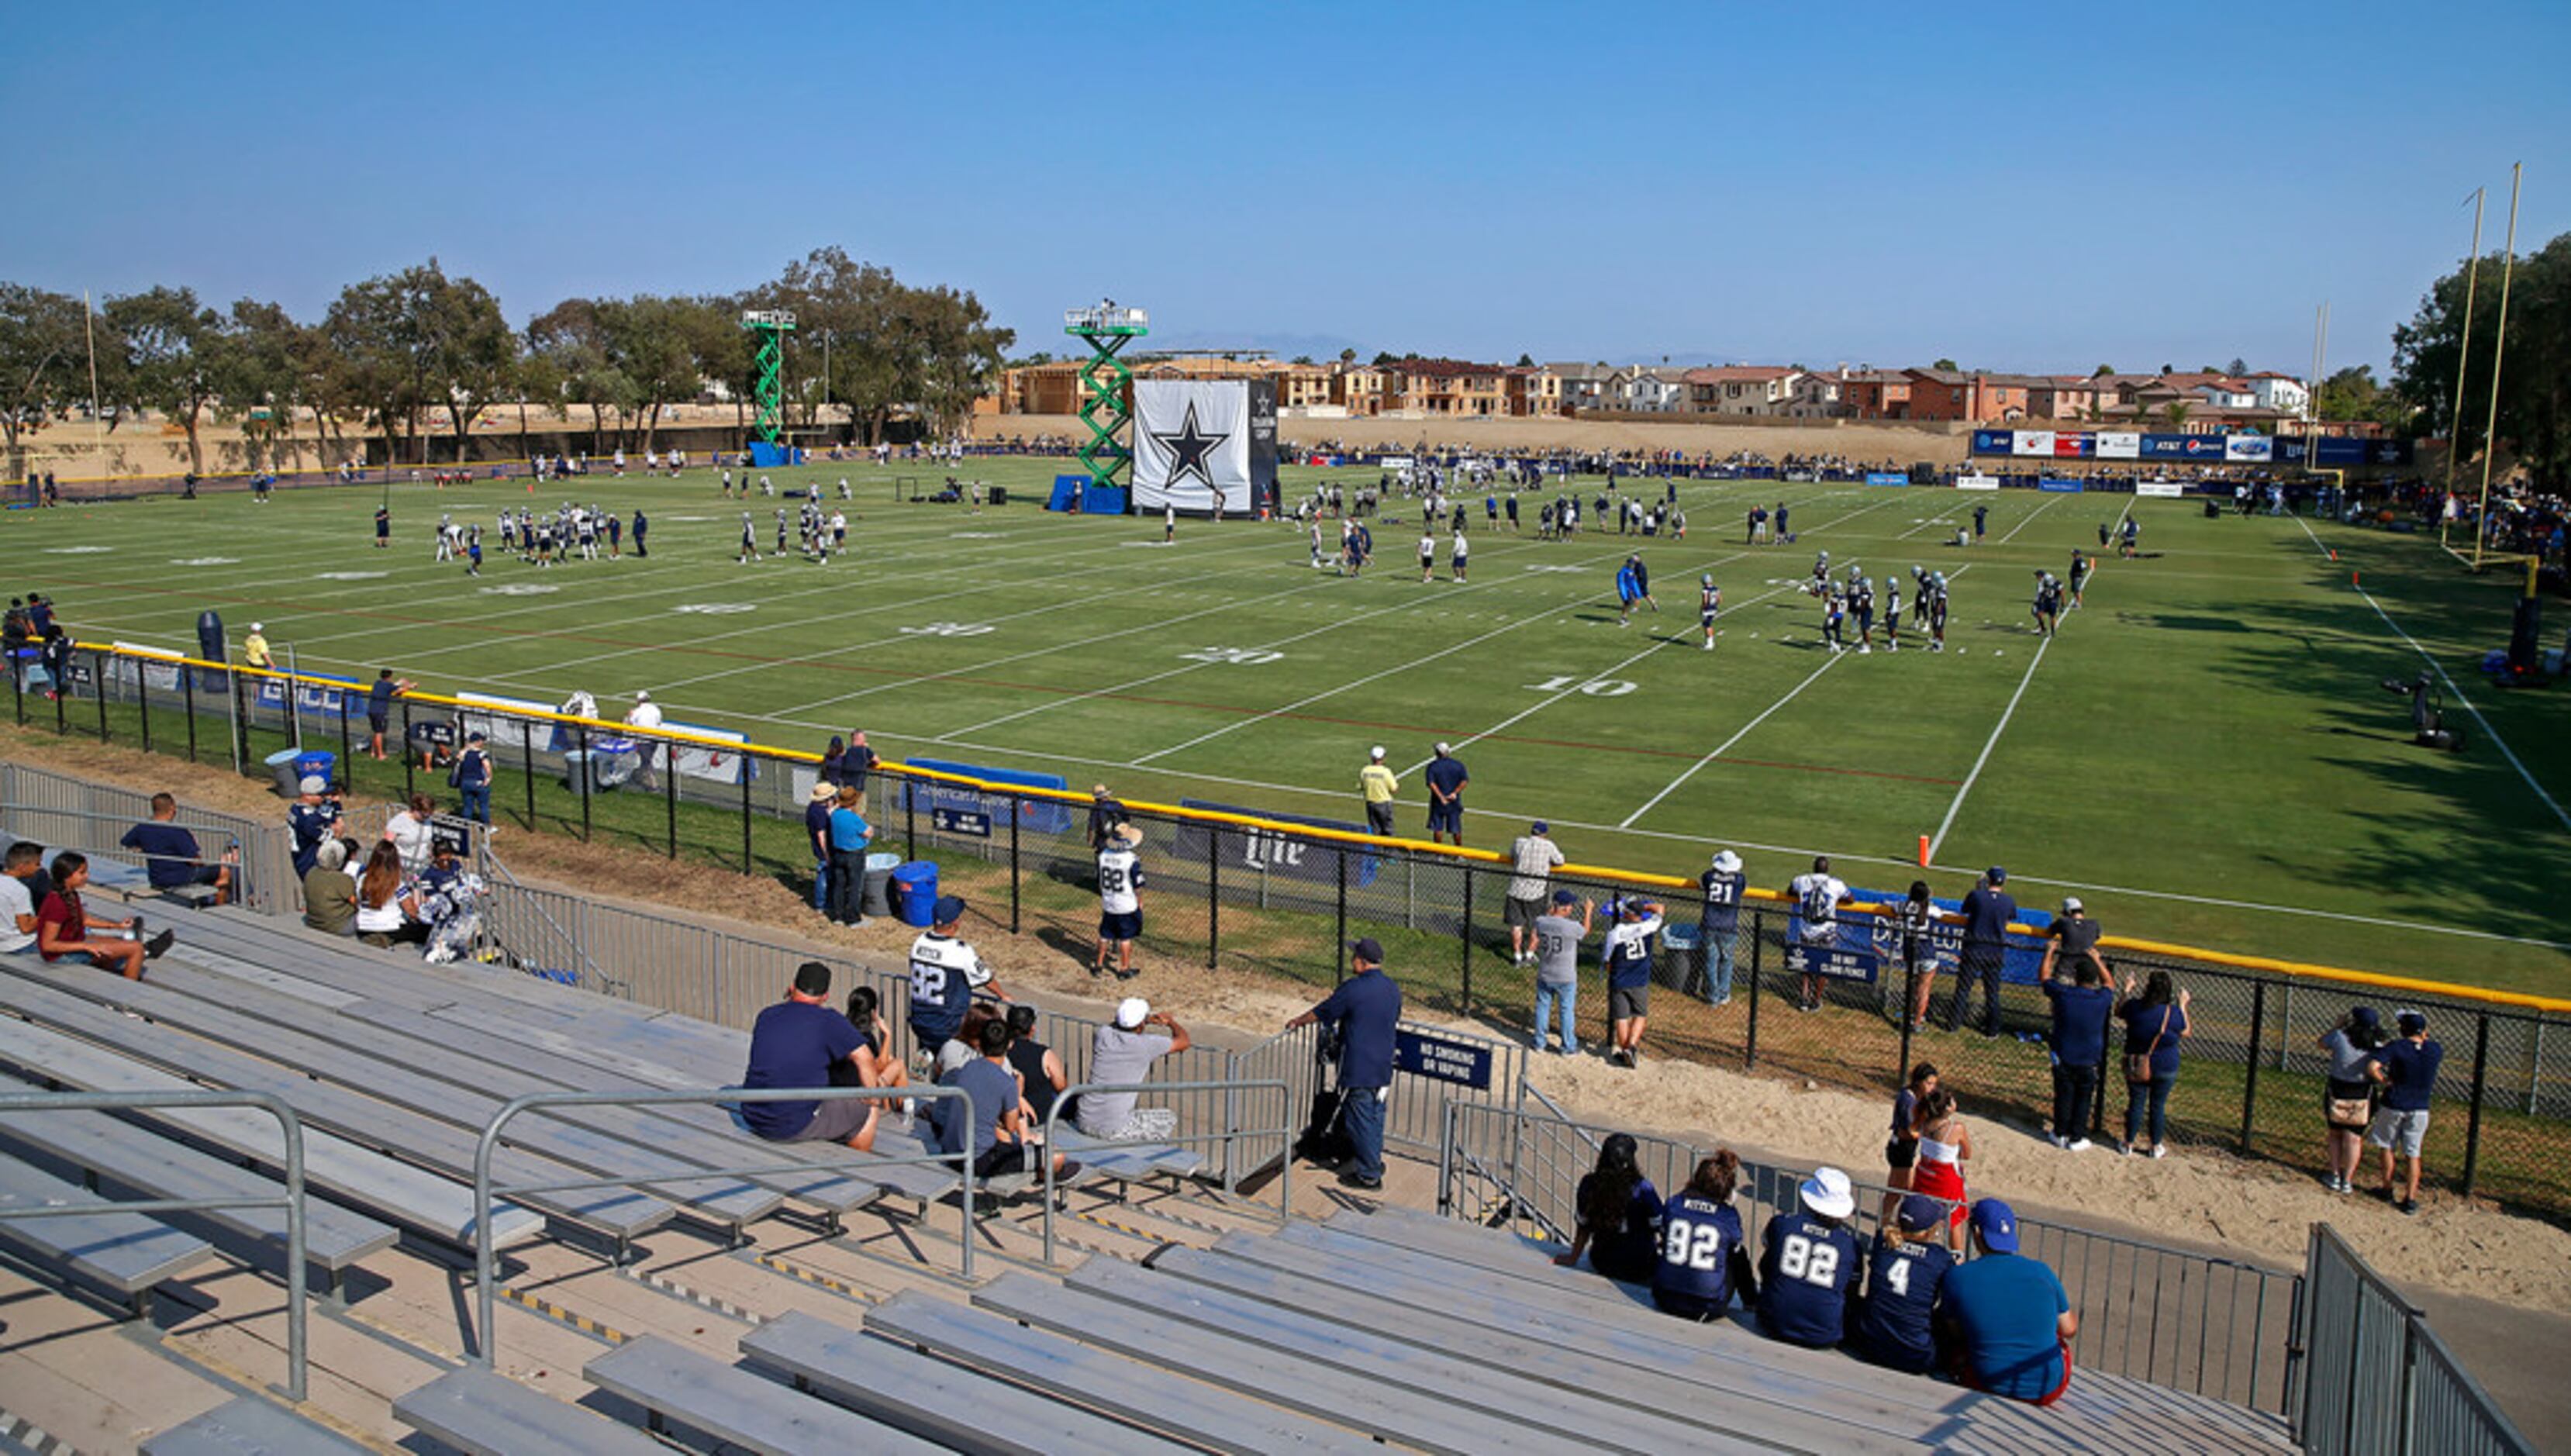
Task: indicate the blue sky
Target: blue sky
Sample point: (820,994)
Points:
(1787,183)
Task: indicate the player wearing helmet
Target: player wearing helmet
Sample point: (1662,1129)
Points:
(1861,596)
(1936,611)
(1893,614)
(1709,600)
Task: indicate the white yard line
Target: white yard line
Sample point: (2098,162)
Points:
(1791,694)
(1541,704)
(1938,841)
(2030,516)
(2452,687)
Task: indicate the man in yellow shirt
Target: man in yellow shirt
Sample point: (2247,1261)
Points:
(1379,786)
(254,648)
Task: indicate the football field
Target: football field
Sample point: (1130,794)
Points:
(2204,754)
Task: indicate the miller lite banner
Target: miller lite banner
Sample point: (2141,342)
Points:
(1204,444)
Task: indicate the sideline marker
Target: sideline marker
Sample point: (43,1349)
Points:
(2356,579)
(1923,851)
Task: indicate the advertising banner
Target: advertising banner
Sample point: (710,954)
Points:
(2073,445)
(2168,490)
(707,761)
(2034,442)
(2120,445)
(2059,485)
(1273,853)
(2205,449)
(2247,447)
(502,730)
(1977,482)
(960,808)
(1994,442)
(1887,477)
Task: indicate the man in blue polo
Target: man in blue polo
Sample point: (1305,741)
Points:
(1988,910)
(2003,1318)
(1364,1011)
(795,1042)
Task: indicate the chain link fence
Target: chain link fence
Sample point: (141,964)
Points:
(1281,900)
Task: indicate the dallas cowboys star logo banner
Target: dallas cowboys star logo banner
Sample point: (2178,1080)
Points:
(1192,444)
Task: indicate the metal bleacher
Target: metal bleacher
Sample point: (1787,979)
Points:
(1203,1332)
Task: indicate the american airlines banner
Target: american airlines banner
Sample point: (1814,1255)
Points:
(1192,445)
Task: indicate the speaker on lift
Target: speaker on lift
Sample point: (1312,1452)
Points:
(2524,653)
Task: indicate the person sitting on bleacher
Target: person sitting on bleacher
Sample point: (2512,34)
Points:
(966,1044)
(329,891)
(18,898)
(2003,1319)
(310,818)
(1616,1214)
(992,1124)
(1124,1053)
(387,910)
(171,857)
(797,1043)
(1041,1077)
(1704,1257)
(871,1065)
(1808,1268)
(945,978)
(63,924)
(1908,1266)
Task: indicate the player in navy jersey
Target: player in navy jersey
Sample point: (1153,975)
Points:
(1703,1258)
(1860,594)
(1908,1264)
(1807,1266)
(1937,612)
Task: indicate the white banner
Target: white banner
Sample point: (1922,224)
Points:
(2120,445)
(2167,490)
(2031,442)
(2248,447)
(1977,482)
(706,761)
(1192,444)
(512,732)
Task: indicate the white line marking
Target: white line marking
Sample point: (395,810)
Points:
(2487,730)
(1834,660)
(2031,515)
(1993,741)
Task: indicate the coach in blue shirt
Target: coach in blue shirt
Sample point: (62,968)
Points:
(1364,1010)
(2005,1318)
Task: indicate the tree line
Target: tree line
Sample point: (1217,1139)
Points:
(423,350)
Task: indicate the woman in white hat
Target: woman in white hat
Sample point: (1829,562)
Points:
(1807,1266)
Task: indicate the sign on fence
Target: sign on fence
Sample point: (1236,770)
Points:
(972,823)
(1440,1059)
(1270,853)
(1839,964)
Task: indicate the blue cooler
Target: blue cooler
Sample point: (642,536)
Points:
(914,892)
(318,762)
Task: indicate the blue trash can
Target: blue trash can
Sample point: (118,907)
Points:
(914,892)
(318,762)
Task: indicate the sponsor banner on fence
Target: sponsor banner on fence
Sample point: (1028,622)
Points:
(2034,442)
(962,806)
(311,693)
(160,666)
(2167,490)
(2073,445)
(2247,447)
(1977,482)
(2207,448)
(1272,853)
(1887,477)
(706,761)
(499,725)
(1441,1060)
(2059,485)
(2120,445)
(1994,442)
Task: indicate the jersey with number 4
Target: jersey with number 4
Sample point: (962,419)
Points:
(1697,1239)
(1120,874)
(1805,1272)
(1901,1289)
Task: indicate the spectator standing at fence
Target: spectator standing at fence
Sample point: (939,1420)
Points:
(2155,1023)
(407,831)
(2003,1318)
(1718,923)
(1906,1267)
(1379,785)
(644,718)
(1704,1254)
(1363,1012)
(992,1123)
(311,819)
(171,859)
(379,709)
(1557,968)
(1626,958)
(945,977)
(1988,913)
(858,761)
(1446,780)
(850,835)
(1918,928)
(1122,1053)
(816,829)
(64,923)
(470,777)
(1616,1214)
(1807,1265)
(2348,1097)
(1816,897)
(2406,1069)
(329,891)
(798,1043)
(1105,816)
(18,898)
(1533,857)
(1120,901)
(2082,1004)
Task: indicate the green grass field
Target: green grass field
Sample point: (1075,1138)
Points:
(2202,754)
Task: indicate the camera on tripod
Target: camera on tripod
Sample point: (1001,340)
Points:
(2427,714)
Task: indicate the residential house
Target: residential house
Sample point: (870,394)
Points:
(1741,389)
(1301,387)
(1357,387)
(1876,393)
(1819,395)
(1534,392)
(1448,387)
(1650,390)
(2064,397)
(2282,393)
(1976,397)
(1581,386)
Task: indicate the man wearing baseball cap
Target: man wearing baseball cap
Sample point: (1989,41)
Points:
(1718,923)
(1557,967)
(1123,1052)
(2003,1318)
(946,976)
(1910,1265)
(2407,1070)
(1532,856)
(1446,780)
(311,819)
(1364,1011)
(1379,785)
(1988,910)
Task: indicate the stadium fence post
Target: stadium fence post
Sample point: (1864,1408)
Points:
(1465,969)
(17,688)
(188,697)
(909,822)
(1909,998)
(580,734)
(347,770)
(2481,1083)
(62,697)
(670,763)
(98,685)
(670,798)
(240,730)
(1214,892)
(527,761)
(348,760)
(2257,1054)
(1017,811)
(1757,961)
(1339,943)
(2098,1103)
(143,703)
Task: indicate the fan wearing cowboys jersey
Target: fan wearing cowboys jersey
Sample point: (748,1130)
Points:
(1120,905)
(946,976)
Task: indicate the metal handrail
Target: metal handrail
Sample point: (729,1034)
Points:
(1285,1129)
(500,874)
(297,1349)
(485,1260)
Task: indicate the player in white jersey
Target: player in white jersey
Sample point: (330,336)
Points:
(1456,554)
(1120,905)
(1709,603)
(1893,614)
(1427,554)
(748,540)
